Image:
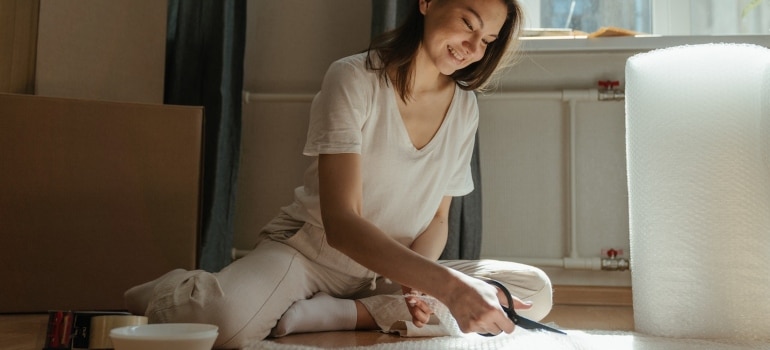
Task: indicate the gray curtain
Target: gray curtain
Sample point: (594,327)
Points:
(387,14)
(204,67)
(464,241)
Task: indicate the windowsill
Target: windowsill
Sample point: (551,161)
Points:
(629,43)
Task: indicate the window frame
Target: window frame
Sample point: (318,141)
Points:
(670,17)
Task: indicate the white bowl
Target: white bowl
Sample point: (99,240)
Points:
(165,336)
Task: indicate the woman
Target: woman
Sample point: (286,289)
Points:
(393,131)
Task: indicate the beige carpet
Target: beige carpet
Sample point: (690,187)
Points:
(523,339)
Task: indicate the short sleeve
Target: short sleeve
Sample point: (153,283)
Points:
(339,110)
(461,182)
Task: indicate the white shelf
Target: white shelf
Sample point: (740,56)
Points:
(638,43)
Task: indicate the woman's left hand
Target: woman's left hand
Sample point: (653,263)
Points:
(417,306)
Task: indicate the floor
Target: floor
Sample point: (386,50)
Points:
(616,318)
(27,331)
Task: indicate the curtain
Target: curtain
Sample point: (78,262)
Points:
(387,14)
(464,241)
(204,67)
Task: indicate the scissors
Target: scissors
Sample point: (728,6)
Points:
(518,320)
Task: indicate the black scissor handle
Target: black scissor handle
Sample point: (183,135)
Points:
(518,320)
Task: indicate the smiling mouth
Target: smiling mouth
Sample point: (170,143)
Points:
(455,54)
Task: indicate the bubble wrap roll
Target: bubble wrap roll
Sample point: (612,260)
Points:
(697,120)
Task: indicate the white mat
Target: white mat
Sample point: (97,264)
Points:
(523,339)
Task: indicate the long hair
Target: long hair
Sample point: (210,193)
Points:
(397,49)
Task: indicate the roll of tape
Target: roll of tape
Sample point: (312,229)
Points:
(102,325)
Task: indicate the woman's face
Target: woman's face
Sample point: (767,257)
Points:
(457,32)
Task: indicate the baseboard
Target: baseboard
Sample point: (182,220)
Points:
(592,295)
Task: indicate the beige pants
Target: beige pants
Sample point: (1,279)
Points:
(247,298)
(528,283)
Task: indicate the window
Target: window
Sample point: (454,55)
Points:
(661,17)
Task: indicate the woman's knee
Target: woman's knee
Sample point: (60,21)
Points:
(534,286)
(526,282)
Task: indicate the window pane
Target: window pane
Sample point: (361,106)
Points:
(729,17)
(661,17)
(590,15)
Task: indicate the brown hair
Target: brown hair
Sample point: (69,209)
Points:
(397,48)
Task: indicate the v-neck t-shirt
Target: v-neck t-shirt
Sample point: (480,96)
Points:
(356,112)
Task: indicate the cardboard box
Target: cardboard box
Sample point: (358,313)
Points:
(95,197)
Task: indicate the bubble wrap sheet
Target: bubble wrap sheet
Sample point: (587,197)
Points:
(697,132)
(529,340)
(447,322)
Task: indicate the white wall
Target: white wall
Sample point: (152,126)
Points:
(289,45)
(102,50)
(524,153)
(525,157)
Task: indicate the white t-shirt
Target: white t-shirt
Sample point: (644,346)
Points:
(402,186)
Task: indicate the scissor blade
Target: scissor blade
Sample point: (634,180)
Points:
(534,325)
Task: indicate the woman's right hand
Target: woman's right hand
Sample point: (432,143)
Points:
(475,306)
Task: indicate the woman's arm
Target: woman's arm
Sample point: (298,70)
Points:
(340,187)
(473,303)
(431,242)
